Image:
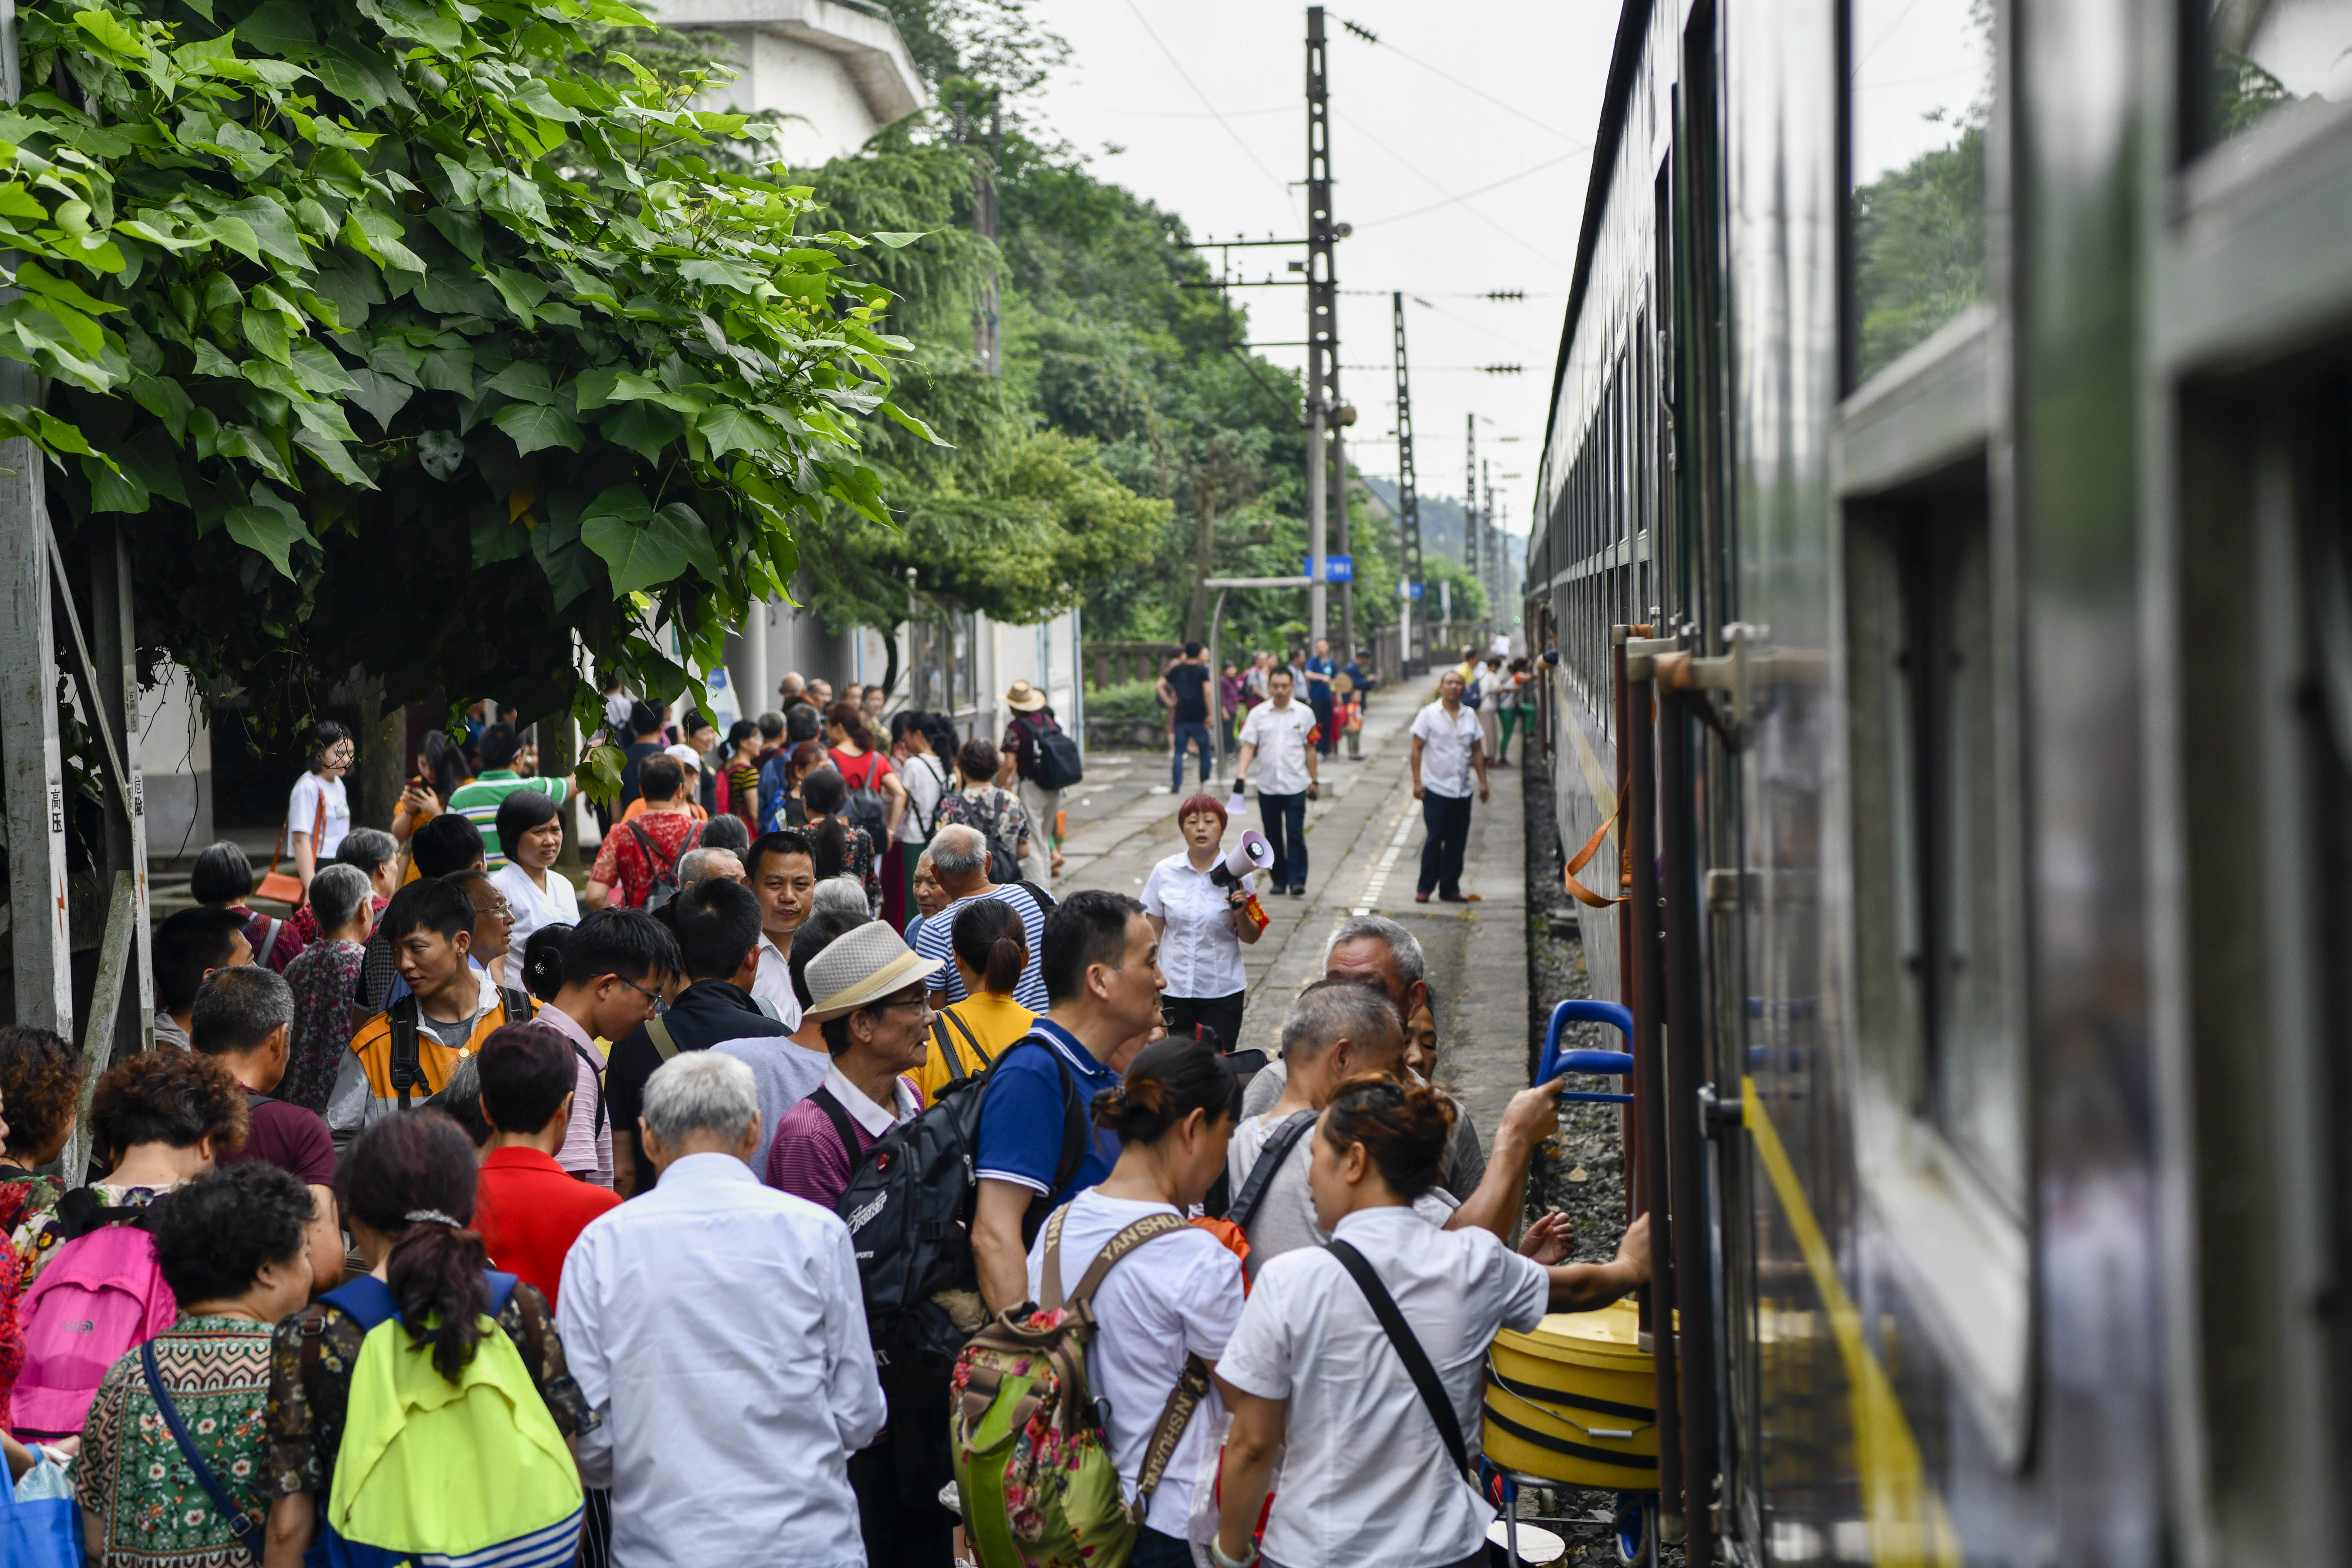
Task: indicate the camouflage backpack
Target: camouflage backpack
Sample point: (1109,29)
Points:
(1039,1486)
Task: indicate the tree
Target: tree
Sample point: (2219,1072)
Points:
(403,337)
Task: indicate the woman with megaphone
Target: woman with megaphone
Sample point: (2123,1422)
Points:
(1200,901)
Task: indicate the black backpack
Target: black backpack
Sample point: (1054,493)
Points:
(665,883)
(1054,760)
(408,1067)
(867,808)
(910,1203)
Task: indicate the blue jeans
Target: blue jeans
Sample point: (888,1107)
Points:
(1189,734)
(1285,818)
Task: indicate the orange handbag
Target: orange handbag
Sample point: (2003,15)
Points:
(281,885)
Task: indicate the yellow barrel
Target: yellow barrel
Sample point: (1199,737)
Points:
(1575,1401)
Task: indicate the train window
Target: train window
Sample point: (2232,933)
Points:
(1919,95)
(2265,57)
(1941,1116)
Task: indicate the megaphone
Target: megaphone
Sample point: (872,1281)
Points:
(1251,854)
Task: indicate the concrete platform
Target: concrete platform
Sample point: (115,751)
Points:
(1364,840)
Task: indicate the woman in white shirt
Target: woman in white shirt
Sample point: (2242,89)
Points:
(1172,1299)
(1367,1478)
(319,813)
(916,753)
(530,835)
(1201,927)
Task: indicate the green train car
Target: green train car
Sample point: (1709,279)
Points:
(1943,574)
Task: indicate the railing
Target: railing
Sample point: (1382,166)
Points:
(1116,663)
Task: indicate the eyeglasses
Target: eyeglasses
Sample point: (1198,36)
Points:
(919,999)
(502,909)
(652,996)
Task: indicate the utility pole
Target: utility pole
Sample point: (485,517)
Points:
(1470,498)
(988,151)
(1408,500)
(1322,322)
(1490,548)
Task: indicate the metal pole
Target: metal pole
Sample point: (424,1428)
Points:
(1642,913)
(1322,322)
(1217,679)
(38,931)
(115,655)
(1470,495)
(1488,547)
(1408,494)
(1340,515)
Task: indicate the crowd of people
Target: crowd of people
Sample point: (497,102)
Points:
(461,1217)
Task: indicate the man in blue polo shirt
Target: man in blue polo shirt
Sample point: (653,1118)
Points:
(1102,990)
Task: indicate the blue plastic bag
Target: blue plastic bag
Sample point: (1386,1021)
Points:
(43,1529)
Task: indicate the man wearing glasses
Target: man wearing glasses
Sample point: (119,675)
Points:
(615,964)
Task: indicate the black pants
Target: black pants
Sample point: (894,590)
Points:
(1447,819)
(1153,1550)
(1220,1014)
(1284,817)
(898,1480)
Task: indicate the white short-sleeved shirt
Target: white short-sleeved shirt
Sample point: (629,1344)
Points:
(926,782)
(1175,1295)
(302,816)
(1199,952)
(1280,736)
(1447,746)
(534,907)
(1366,1480)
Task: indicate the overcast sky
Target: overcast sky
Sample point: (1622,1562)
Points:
(1414,154)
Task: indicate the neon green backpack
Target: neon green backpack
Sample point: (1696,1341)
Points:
(1039,1484)
(465,1472)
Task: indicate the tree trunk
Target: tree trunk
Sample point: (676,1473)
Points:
(1196,614)
(383,763)
(559,757)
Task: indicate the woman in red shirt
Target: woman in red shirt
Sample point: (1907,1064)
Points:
(624,871)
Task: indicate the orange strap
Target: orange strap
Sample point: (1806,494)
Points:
(1585,895)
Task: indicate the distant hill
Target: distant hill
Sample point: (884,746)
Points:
(1441,522)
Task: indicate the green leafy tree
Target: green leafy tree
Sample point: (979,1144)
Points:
(436,340)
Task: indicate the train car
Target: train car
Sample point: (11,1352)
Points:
(1943,571)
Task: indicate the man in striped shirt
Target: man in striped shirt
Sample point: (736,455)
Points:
(478,801)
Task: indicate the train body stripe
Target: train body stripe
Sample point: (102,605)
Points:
(1908,1525)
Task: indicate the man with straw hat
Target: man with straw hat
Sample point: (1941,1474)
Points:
(1032,717)
(871,1000)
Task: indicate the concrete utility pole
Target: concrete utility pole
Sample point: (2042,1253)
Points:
(1470,496)
(1490,548)
(1322,325)
(1408,498)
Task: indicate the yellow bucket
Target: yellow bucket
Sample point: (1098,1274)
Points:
(1575,1401)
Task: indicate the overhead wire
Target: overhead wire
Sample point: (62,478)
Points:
(1379,43)
(1465,195)
(1436,184)
(1145,22)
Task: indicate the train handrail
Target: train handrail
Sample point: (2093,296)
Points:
(1619,1064)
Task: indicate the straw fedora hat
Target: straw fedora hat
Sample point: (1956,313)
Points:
(1025,698)
(862,965)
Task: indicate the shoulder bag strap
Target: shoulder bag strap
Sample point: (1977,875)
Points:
(664,866)
(407,1070)
(240,1523)
(270,943)
(839,1117)
(1409,1351)
(1278,1146)
(1075,1124)
(931,828)
(1191,1387)
(1119,1247)
(969,1039)
(657,1031)
(595,1075)
(948,1053)
(1049,1294)
(514,1006)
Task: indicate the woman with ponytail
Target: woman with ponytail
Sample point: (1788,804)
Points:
(991,948)
(406,1191)
(1311,1365)
(1172,1299)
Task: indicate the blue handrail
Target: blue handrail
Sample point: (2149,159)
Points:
(1555,1061)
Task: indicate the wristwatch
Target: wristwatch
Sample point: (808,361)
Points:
(1217,1555)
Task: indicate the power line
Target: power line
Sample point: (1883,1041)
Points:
(1196,114)
(1499,184)
(1436,184)
(1145,22)
(1378,42)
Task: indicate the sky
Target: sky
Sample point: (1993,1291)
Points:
(1454,188)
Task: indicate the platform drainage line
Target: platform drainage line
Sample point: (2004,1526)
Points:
(1387,863)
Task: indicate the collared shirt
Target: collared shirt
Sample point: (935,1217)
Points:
(714,1293)
(478,801)
(936,940)
(530,1210)
(1446,748)
(1199,952)
(773,982)
(1279,733)
(535,906)
(1364,1463)
(587,1149)
(807,1156)
(1025,1117)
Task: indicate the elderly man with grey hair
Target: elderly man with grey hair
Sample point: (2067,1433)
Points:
(715,1293)
(841,895)
(960,860)
(244,1017)
(704,864)
(1375,950)
(1341,1028)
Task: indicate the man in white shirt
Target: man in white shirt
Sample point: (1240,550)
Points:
(781,870)
(1278,737)
(1447,748)
(714,1293)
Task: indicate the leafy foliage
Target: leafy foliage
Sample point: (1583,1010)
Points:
(426,337)
(1919,248)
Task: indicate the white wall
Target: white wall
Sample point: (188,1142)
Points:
(175,765)
(841,71)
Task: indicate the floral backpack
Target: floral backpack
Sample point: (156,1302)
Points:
(1039,1484)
